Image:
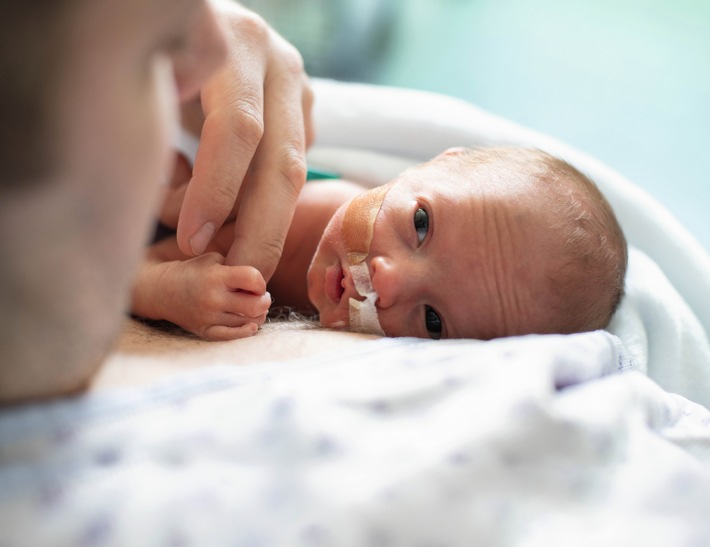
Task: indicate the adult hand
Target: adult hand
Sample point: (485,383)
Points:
(256,126)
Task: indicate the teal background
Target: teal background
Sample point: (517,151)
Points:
(627,81)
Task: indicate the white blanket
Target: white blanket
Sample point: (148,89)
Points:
(533,441)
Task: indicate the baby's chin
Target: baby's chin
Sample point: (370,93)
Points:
(331,322)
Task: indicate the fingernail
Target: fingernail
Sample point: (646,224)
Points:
(202,237)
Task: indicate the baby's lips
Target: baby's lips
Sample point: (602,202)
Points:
(334,283)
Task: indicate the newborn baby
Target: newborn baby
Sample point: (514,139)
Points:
(476,243)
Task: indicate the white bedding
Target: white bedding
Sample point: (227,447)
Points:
(529,441)
(584,440)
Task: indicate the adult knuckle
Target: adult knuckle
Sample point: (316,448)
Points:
(293,170)
(272,248)
(251,25)
(249,122)
(292,60)
(224,192)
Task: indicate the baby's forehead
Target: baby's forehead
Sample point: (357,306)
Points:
(463,182)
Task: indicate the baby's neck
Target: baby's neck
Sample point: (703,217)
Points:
(317,203)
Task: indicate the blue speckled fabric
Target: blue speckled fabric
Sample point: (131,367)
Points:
(531,441)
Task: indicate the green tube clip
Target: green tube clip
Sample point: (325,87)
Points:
(316,173)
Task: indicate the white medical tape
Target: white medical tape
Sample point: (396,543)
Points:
(363,313)
(358,228)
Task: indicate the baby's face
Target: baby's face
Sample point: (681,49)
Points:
(443,259)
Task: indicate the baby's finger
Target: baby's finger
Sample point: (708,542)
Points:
(223,333)
(244,278)
(246,305)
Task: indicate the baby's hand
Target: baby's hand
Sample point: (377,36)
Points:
(215,301)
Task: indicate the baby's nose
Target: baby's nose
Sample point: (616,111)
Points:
(386,280)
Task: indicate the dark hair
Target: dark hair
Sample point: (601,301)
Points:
(30,63)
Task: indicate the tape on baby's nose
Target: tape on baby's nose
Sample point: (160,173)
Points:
(358,226)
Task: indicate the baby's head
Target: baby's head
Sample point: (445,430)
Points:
(476,243)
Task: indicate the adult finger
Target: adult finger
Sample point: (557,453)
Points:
(231,133)
(276,176)
(247,305)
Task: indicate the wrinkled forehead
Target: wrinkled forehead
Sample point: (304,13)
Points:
(456,179)
(482,199)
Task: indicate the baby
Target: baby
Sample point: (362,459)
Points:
(476,243)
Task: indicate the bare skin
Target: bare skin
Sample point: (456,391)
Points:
(144,354)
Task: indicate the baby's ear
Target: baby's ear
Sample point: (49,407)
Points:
(453,151)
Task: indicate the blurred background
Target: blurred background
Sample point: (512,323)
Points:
(627,81)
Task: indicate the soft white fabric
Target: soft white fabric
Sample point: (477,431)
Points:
(662,334)
(531,441)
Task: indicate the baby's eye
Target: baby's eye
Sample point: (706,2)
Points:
(432,321)
(421,223)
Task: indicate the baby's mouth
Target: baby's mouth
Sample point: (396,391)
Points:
(334,283)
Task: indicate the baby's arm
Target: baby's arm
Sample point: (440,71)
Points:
(200,294)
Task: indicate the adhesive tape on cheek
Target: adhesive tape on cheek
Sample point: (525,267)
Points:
(359,222)
(358,226)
